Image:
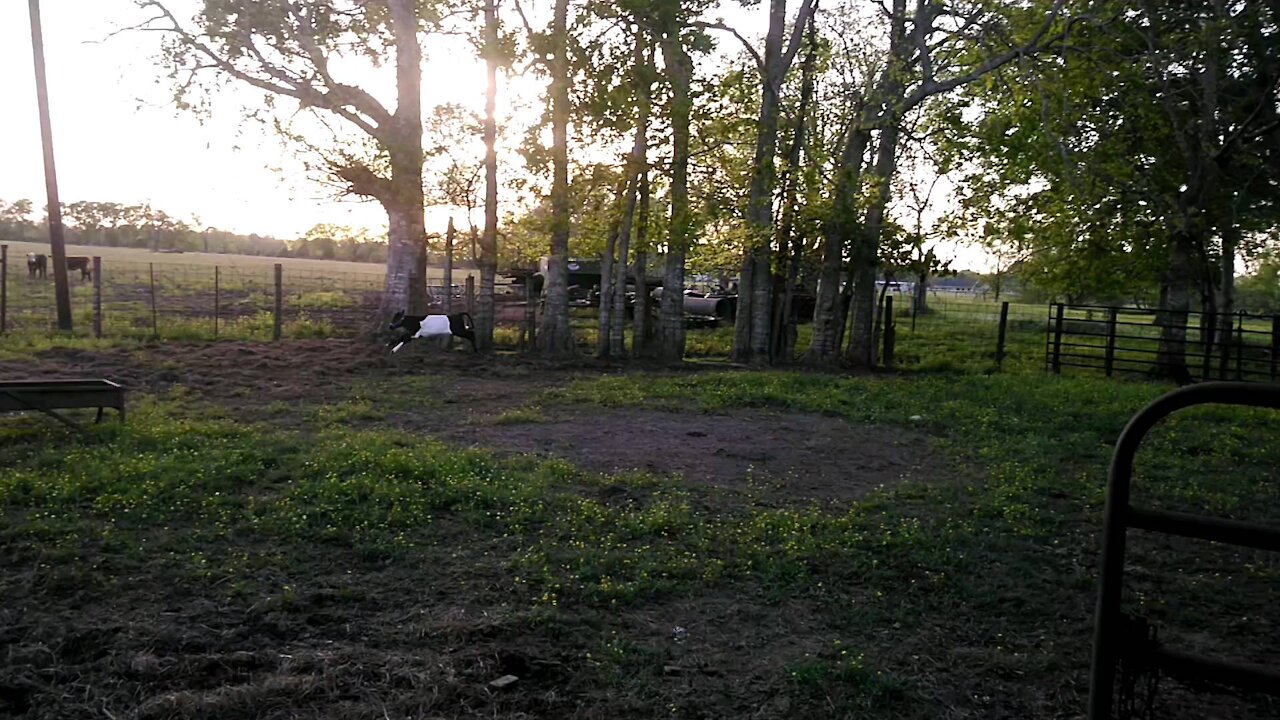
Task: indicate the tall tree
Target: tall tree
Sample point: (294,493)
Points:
(637,167)
(755,311)
(555,336)
(488,259)
(1142,155)
(790,233)
(679,72)
(932,50)
(288,50)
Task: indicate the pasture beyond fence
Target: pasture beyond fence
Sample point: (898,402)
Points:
(211,299)
(195,301)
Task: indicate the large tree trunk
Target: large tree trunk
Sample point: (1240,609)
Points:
(402,197)
(752,323)
(866,252)
(840,226)
(403,251)
(1225,305)
(1175,304)
(866,249)
(555,336)
(920,306)
(488,260)
(641,337)
(637,167)
(671,318)
(604,318)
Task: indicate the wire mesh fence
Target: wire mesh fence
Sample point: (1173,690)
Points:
(947,330)
(197,301)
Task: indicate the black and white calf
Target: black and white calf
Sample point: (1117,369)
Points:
(432,326)
(37,265)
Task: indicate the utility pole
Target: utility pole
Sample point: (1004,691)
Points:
(56,243)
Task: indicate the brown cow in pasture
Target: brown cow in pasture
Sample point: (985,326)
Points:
(81,263)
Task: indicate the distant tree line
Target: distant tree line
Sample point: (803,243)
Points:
(111,224)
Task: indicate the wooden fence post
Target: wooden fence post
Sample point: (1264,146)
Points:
(4,288)
(471,294)
(1240,346)
(448,267)
(279,306)
(1275,344)
(155,325)
(97,296)
(1112,318)
(889,332)
(1208,330)
(217,298)
(530,314)
(1002,333)
(1057,340)
(1222,350)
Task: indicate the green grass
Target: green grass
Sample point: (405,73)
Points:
(979,581)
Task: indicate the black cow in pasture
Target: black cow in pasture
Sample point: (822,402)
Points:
(37,265)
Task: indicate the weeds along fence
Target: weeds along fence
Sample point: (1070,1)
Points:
(177,301)
(1127,341)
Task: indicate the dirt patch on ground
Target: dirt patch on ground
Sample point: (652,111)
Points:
(244,375)
(805,456)
(798,456)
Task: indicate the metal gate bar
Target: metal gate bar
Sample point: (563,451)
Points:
(1113,637)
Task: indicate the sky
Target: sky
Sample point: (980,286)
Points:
(119,138)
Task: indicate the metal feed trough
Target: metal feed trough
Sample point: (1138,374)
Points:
(1121,641)
(49,396)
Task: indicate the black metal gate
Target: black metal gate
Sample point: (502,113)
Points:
(1119,340)
(1119,639)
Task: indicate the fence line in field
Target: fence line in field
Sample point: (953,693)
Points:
(124,298)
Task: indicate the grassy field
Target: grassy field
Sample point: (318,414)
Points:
(375,539)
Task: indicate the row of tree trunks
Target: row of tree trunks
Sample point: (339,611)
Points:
(790,241)
(838,229)
(605,315)
(754,320)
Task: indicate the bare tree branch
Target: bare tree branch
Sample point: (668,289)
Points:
(930,86)
(745,43)
(807,8)
(284,84)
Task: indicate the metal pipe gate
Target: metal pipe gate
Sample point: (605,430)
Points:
(1118,638)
